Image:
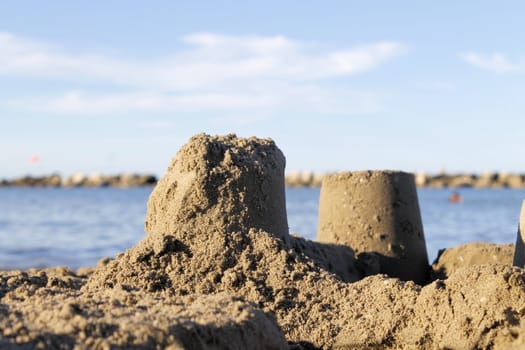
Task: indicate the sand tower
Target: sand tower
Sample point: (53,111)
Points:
(376,211)
(519,250)
(221,183)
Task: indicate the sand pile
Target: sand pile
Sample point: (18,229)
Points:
(47,310)
(218,270)
(217,223)
(470,254)
(479,307)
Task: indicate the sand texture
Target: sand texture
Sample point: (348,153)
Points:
(519,253)
(475,308)
(46,310)
(217,269)
(376,212)
(470,254)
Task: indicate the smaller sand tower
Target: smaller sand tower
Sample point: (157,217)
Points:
(519,250)
(376,212)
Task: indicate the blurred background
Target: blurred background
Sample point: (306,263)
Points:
(119,86)
(112,87)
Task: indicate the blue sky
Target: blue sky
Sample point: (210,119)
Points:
(111,86)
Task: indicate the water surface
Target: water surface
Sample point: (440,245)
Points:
(78,226)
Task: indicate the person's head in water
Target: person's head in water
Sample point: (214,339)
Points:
(455,197)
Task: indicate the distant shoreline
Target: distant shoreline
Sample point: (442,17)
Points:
(81,180)
(292,179)
(443,180)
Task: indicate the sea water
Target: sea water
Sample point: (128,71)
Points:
(77,226)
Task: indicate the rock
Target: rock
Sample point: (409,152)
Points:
(439,181)
(75,180)
(304,179)
(53,180)
(515,181)
(128,180)
(147,180)
(96,180)
(317,179)
(422,179)
(462,181)
(24,181)
(486,180)
(292,179)
(133,180)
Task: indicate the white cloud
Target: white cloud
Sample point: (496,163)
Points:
(253,44)
(213,72)
(496,62)
(22,57)
(84,103)
(278,99)
(364,58)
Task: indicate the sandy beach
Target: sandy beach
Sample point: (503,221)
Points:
(218,269)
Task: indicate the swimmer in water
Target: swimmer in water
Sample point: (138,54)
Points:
(455,198)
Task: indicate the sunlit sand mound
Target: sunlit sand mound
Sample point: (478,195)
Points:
(46,310)
(470,254)
(217,222)
(476,308)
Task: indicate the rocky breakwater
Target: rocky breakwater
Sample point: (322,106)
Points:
(82,180)
(304,179)
(217,269)
(292,179)
(486,180)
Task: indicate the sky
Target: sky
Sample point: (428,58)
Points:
(119,86)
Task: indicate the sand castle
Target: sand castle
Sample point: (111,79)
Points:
(519,253)
(218,269)
(376,212)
